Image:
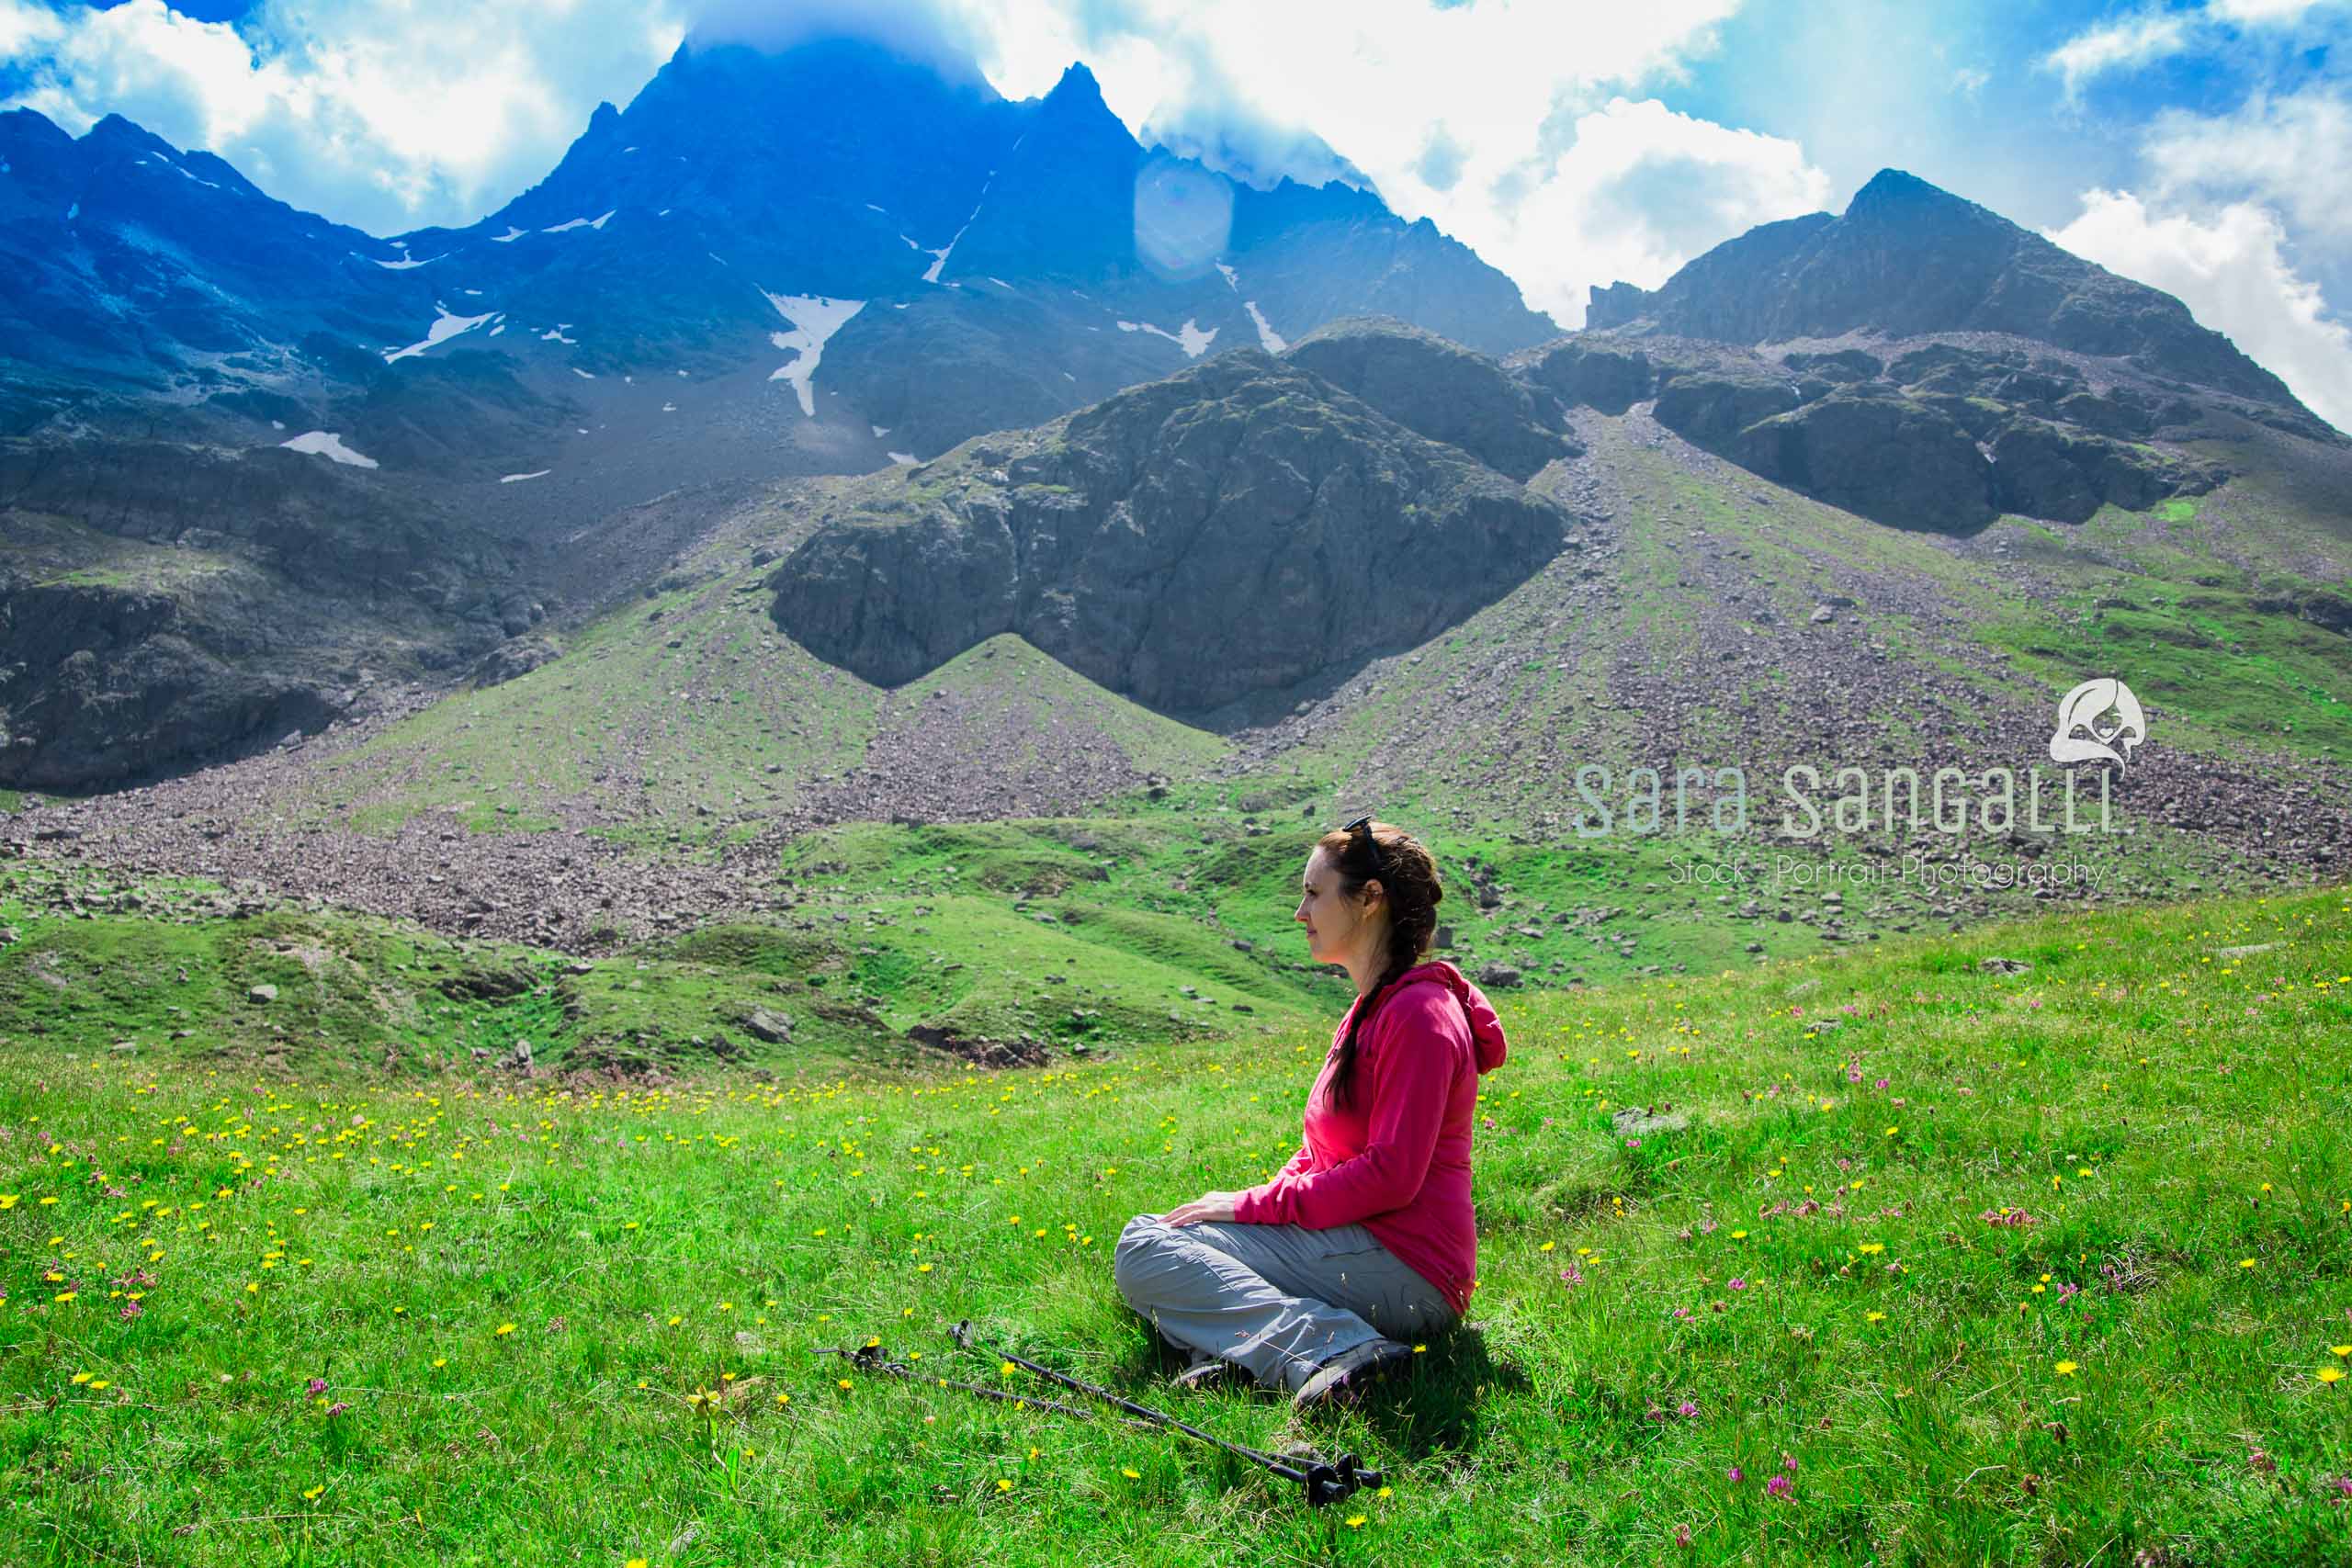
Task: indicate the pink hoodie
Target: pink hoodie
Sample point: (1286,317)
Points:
(1399,1161)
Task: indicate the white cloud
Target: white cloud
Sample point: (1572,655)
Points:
(392,113)
(1640,191)
(24,27)
(2267,13)
(387,114)
(2145,37)
(2288,151)
(2117,46)
(395,113)
(1455,114)
(2229,269)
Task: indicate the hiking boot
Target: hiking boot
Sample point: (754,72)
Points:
(1211,1371)
(1343,1377)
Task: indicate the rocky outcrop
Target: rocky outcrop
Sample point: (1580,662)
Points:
(1439,390)
(2042,470)
(1711,408)
(2332,612)
(1932,435)
(1887,458)
(163,605)
(1221,534)
(1580,371)
(515,658)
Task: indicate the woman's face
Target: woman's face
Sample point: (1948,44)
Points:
(1338,927)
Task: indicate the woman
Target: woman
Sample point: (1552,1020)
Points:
(1364,1242)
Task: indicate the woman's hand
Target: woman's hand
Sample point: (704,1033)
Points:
(1207,1206)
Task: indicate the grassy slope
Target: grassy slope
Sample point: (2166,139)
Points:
(2166,1108)
(695,715)
(2146,593)
(686,736)
(735,698)
(165,976)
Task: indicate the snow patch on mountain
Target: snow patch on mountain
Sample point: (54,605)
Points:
(814,320)
(1188,337)
(578,223)
(445,327)
(509,237)
(517,479)
(1268,339)
(555,334)
(939,257)
(403,264)
(906,459)
(328,444)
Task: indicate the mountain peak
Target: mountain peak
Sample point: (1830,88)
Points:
(1909,258)
(1895,196)
(1076,82)
(1077,99)
(114,131)
(1893,185)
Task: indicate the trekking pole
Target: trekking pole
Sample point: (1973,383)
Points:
(1325,1482)
(870,1358)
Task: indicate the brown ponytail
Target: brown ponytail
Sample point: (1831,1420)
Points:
(1409,876)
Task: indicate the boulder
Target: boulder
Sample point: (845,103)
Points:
(517,656)
(775,1028)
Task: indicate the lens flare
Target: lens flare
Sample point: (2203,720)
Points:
(1183,217)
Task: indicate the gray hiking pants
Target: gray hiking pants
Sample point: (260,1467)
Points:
(1276,1300)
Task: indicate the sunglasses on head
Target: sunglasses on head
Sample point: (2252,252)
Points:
(1363,825)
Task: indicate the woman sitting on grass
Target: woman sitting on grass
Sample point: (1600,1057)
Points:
(1364,1242)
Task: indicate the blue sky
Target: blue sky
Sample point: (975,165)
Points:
(2200,145)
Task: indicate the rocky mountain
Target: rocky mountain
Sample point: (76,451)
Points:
(1213,538)
(1102,399)
(1927,364)
(1917,433)
(747,218)
(1907,259)
(823,260)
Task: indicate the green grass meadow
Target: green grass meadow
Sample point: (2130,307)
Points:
(1946,1266)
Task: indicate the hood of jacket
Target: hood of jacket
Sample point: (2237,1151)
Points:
(1487,1044)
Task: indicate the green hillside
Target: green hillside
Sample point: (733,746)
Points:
(1705,618)
(1976,1263)
(688,716)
